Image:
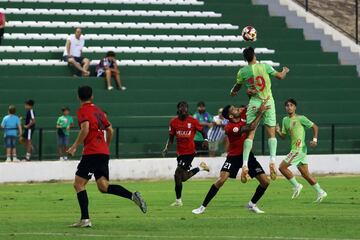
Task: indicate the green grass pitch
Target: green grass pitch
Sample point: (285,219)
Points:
(43,211)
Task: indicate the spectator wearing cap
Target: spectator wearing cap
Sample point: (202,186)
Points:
(206,120)
(108,68)
(63,124)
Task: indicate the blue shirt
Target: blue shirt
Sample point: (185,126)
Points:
(10,123)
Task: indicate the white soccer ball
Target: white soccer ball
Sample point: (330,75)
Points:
(249,33)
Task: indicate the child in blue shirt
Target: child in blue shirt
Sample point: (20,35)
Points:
(12,127)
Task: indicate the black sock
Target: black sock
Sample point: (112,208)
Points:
(119,191)
(195,170)
(178,189)
(258,194)
(83,202)
(211,194)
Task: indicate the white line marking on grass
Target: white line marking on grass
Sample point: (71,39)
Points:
(168,237)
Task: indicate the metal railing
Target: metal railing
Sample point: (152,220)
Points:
(134,142)
(346,20)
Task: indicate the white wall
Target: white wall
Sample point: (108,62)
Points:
(156,168)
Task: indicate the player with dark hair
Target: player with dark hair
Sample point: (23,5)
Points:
(294,126)
(95,157)
(29,128)
(237,130)
(256,78)
(183,128)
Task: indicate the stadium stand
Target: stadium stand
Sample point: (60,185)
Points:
(169,50)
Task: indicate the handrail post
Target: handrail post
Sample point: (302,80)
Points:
(307,5)
(357,21)
(117,137)
(333,138)
(263,140)
(40,143)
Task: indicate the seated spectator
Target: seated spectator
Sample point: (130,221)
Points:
(108,68)
(205,120)
(2,26)
(64,123)
(12,126)
(73,53)
(216,133)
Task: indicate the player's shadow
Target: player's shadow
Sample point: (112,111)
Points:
(335,203)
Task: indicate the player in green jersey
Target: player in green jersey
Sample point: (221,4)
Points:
(256,78)
(294,126)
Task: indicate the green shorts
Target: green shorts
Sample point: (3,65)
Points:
(269,117)
(296,158)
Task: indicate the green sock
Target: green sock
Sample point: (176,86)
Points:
(317,187)
(247,149)
(272,143)
(293,181)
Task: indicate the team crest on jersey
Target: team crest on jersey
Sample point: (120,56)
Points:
(235,129)
(189,125)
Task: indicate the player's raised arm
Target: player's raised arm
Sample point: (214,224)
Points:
(235,89)
(282,75)
(84,131)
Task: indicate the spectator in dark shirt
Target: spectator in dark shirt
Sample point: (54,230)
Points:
(29,128)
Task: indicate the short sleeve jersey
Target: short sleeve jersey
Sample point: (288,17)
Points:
(30,115)
(184,131)
(257,76)
(94,142)
(236,139)
(295,128)
(64,122)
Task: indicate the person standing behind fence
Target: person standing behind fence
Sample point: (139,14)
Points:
(216,133)
(12,127)
(205,120)
(2,26)
(29,128)
(63,124)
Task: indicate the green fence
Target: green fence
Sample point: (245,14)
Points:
(136,142)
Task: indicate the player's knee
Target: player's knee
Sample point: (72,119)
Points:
(220,182)
(265,183)
(103,188)
(78,187)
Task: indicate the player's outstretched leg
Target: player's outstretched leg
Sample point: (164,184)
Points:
(297,187)
(118,190)
(79,185)
(212,192)
(304,170)
(260,190)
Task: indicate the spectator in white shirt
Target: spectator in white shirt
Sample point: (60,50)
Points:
(73,53)
(216,133)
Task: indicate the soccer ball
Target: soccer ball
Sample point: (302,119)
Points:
(249,33)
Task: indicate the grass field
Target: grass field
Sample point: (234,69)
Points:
(43,211)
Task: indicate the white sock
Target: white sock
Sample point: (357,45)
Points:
(251,204)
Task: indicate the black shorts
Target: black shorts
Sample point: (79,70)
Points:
(184,161)
(28,133)
(95,164)
(77,59)
(2,32)
(234,163)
